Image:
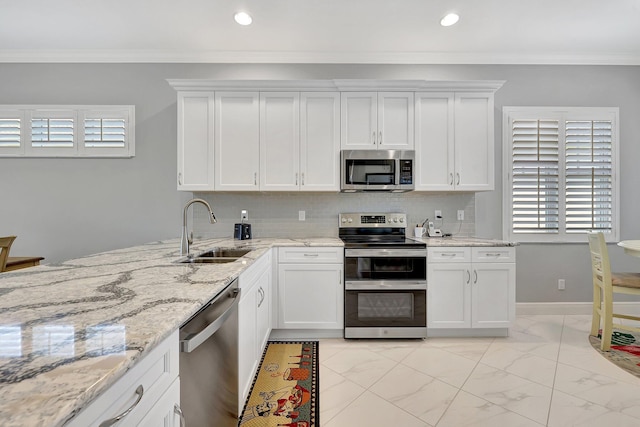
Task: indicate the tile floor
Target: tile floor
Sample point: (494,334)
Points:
(544,374)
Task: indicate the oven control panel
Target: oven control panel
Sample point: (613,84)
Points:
(372,220)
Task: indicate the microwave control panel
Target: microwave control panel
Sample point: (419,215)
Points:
(406,172)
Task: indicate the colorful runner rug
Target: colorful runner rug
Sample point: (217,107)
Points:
(285,389)
(625,350)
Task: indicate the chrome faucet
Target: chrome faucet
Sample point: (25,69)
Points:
(184,240)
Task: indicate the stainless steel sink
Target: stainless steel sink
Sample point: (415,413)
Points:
(215,256)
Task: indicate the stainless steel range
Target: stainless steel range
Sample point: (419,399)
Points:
(385,276)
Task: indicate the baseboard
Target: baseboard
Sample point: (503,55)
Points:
(532,308)
(302,334)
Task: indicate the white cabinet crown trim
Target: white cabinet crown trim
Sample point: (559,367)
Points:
(337,85)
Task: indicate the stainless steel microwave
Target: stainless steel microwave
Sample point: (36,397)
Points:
(377,170)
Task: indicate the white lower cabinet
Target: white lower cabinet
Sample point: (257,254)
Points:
(151,389)
(310,288)
(254,322)
(470,287)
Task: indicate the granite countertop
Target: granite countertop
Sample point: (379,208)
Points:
(56,319)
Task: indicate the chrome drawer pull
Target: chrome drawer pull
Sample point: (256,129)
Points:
(311,254)
(112,421)
(177,410)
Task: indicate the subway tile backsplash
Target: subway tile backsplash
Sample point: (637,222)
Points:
(275,214)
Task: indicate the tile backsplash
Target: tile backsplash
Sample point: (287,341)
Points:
(275,214)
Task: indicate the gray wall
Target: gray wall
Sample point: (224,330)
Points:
(64,208)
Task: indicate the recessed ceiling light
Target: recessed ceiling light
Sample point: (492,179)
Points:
(243,18)
(449,20)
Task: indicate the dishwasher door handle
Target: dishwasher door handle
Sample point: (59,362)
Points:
(192,341)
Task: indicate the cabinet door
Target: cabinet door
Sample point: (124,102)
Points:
(310,296)
(448,295)
(236,142)
(493,295)
(474,156)
(319,141)
(434,142)
(359,127)
(279,141)
(395,120)
(195,141)
(263,317)
(247,342)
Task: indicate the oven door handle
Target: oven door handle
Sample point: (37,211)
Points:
(364,285)
(355,253)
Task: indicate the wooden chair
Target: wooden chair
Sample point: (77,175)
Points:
(605,284)
(5,245)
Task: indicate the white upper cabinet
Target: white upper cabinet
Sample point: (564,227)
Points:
(237,141)
(377,120)
(195,141)
(319,141)
(454,141)
(279,141)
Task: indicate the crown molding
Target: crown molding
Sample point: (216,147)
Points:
(337,85)
(264,57)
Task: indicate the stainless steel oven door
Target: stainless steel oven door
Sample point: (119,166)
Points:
(375,267)
(386,312)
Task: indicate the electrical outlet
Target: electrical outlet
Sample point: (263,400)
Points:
(460,215)
(438,213)
(301,215)
(561,285)
(244,215)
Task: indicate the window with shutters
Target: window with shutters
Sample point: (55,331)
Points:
(67,131)
(560,170)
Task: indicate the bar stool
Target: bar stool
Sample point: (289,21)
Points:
(605,284)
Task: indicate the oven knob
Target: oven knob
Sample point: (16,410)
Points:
(344,220)
(350,220)
(395,219)
(401,219)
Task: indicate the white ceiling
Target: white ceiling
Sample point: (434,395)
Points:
(322,31)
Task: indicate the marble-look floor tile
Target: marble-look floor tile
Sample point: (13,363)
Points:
(362,366)
(371,410)
(441,364)
(471,348)
(421,395)
(471,411)
(336,393)
(572,411)
(511,392)
(600,389)
(537,335)
(525,365)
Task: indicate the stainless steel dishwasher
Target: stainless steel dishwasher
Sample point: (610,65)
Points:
(209,363)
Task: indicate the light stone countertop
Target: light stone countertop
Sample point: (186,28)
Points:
(53,316)
(50,315)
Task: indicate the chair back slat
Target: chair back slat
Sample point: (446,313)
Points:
(5,245)
(600,265)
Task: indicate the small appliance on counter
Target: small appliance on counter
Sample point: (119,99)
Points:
(242,231)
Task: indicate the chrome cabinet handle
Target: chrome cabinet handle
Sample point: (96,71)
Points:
(475,276)
(179,178)
(380,137)
(448,255)
(307,254)
(112,421)
(302,178)
(261,292)
(457,178)
(451,178)
(374,137)
(468,276)
(255,178)
(296,178)
(493,254)
(177,410)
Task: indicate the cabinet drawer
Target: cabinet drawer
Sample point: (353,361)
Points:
(307,255)
(155,373)
(249,276)
(493,254)
(449,254)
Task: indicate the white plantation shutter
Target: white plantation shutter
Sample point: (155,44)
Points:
(67,131)
(589,175)
(535,201)
(561,166)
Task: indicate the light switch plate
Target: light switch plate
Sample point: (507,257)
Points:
(244,215)
(301,215)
